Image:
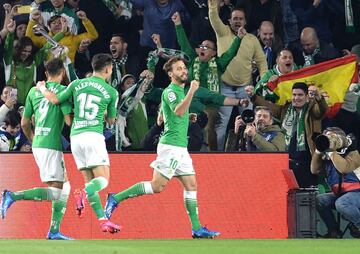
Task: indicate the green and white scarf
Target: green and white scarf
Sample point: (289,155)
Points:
(212,74)
(113,6)
(309,59)
(165,53)
(349,17)
(118,70)
(294,120)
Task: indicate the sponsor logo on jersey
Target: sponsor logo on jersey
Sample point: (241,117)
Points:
(171,96)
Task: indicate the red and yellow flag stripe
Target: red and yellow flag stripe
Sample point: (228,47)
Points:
(332,78)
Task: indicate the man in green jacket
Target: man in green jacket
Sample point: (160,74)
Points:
(260,135)
(206,67)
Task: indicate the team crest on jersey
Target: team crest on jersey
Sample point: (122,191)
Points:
(171,96)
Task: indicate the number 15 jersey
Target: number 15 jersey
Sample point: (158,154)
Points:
(49,118)
(92,97)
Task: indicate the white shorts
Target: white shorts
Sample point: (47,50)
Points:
(89,150)
(173,161)
(51,164)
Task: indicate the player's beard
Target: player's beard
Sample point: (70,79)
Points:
(181,78)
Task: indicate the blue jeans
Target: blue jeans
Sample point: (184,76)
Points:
(348,205)
(225,111)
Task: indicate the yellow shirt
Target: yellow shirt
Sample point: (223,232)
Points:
(239,71)
(71,41)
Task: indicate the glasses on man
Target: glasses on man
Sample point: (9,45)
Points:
(205,47)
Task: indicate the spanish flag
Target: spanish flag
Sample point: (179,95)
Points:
(332,78)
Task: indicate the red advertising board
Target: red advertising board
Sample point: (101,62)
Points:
(240,195)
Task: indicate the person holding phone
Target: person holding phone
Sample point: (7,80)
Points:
(7,102)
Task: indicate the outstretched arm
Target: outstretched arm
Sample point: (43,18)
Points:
(181,36)
(47,94)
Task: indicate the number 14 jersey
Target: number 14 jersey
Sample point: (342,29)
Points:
(91,97)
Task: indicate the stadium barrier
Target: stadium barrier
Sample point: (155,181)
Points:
(240,195)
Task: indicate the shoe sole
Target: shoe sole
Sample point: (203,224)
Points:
(204,237)
(110,230)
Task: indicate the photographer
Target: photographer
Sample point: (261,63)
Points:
(260,133)
(299,119)
(336,153)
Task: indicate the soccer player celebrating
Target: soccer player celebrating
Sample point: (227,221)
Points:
(173,158)
(47,149)
(92,97)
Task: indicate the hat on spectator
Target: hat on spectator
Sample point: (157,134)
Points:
(125,77)
(356,50)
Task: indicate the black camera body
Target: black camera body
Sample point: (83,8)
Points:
(248,116)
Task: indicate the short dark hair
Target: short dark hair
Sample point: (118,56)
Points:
(100,61)
(238,8)
(12,118)
(52,19)
(300,85)
(168,65)
(122,38)
(284,49)
(54,66)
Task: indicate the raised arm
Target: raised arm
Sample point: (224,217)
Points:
(224,60)
(219,27)
(317,163)
(35,18)
(184,105)
(157,40)
(91,32)
(181,36)
(9,43)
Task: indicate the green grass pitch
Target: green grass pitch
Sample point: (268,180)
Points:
(218,246)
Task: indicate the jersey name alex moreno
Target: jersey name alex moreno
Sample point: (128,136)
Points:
(95,85)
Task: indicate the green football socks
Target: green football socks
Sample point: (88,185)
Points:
(92,188)
(58,211)
(37,194)
(134,191)
(190,201)
(59,208)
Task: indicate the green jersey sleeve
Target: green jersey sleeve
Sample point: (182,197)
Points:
(66,108)
(171,98)
(67,93)
(112,106)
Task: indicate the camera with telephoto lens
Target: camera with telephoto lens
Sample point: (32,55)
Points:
(248,116)
(332,142)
